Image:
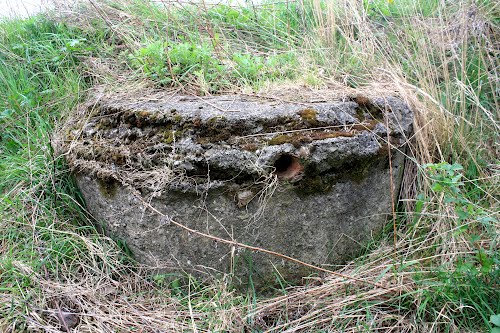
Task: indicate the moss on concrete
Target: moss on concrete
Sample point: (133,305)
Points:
(107,187)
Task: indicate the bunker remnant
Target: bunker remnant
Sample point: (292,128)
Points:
(310,180)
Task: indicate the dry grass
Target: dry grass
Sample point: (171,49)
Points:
(107,294)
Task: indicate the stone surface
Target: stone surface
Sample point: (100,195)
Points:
(307,179)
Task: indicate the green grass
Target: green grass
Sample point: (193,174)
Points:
(44,228)
(446,263)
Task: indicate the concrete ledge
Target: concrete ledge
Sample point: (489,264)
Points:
(309,180)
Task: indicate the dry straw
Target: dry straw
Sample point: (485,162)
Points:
(107,295)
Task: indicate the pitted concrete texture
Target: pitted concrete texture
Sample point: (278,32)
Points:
(309,180)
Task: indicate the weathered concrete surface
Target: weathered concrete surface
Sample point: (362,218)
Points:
(309,180)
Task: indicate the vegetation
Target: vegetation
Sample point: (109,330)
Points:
(441,267)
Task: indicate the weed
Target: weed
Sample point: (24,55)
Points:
(495,321)
(177,64)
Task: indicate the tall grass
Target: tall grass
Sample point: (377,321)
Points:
(442,274)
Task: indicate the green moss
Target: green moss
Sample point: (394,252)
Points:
(295,139)
(215,121)
(360,114)
(107,187)
(169,136)
(279,140)
(316,184)
(217,136)
(308,115)
(360,170)
(217,129)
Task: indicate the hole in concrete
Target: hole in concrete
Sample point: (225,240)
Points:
(288,167)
